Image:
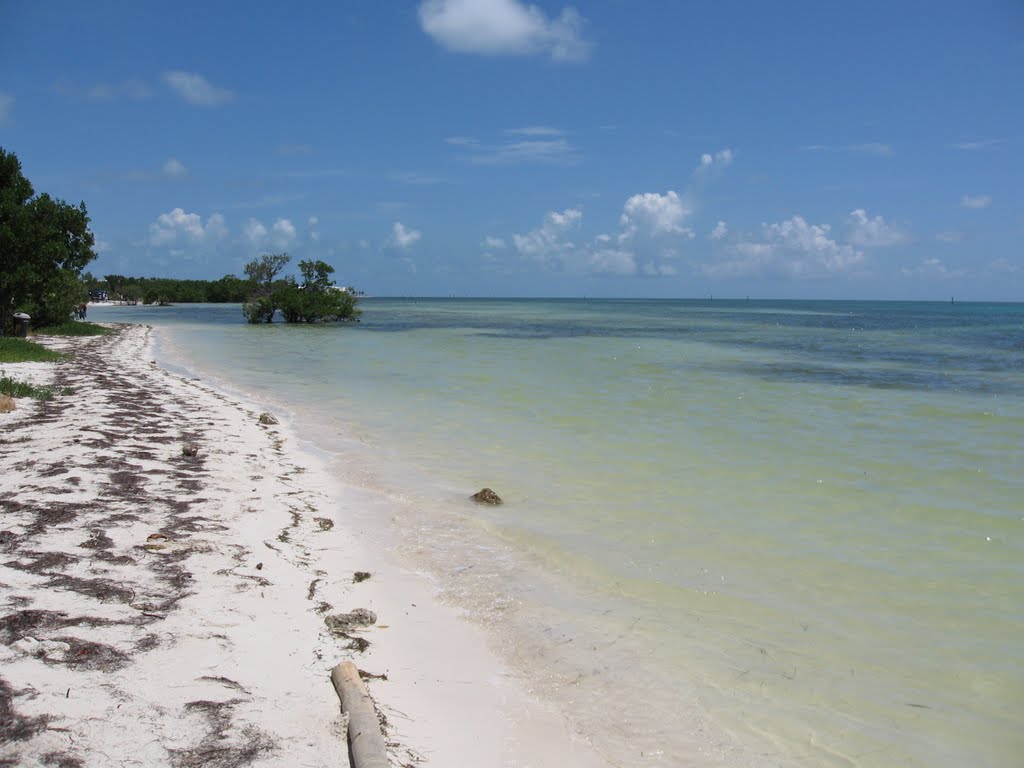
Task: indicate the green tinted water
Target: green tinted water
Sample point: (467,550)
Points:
(788,533)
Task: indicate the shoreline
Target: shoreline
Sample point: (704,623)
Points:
(169,609)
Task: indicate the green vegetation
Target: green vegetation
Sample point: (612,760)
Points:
(21,351)
(14,388)
(165,290)
(315,300)
(74,328)
(44,245)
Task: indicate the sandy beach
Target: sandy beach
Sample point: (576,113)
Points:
(175,578)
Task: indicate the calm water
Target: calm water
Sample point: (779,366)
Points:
(764,533)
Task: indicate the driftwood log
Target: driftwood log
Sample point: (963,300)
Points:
(365,741)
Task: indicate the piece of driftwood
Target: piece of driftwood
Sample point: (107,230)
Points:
(365,741)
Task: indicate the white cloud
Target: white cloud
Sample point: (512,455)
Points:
(721,159)
(311,223)
(933,268)
(495,243)
(178,226)
(613,261)
(503,28)
(720,231)
(6,100)
(280,235)
(980,201)
(254,231)
(655,214)
(195,89)
(284,232)
(402,237)
(174,168)
(792,248)
(873,232)
(548,243)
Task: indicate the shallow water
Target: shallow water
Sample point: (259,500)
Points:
(777,532)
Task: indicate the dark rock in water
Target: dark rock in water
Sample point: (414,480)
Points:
(268,418)
(486,496)
(341,623)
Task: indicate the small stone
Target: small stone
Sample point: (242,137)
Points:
(486,496)
(359,576)
(268,418)
(190,449)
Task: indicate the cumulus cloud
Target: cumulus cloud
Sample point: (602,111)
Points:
(792,248)
(178,227)
(548,243)
(655,214)
(979,201)
(174,168)
(721,159)
(611,261)
(403,237)
(503,28)
(551,245)
(284,231)
(280,235)
(874,232)
(720,231)
(195,89)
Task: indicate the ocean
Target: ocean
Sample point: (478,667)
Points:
(734,533)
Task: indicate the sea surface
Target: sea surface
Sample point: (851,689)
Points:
(734,533)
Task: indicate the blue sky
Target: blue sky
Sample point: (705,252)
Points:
(498,148)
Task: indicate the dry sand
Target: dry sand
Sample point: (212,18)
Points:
(170,570)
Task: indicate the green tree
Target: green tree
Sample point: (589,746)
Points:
(44,246)
(317,299)
(259,307)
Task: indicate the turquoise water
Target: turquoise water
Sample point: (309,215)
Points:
(747,533)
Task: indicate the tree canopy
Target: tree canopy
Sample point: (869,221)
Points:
(314,300)
(44,246)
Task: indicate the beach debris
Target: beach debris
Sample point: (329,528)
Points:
(155,541)
(325,523)
(486,496)
(268,418)
(365,740)
(342,623)
(359,576)
(6,403)
(189,449)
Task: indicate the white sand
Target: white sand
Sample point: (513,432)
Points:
(209,646)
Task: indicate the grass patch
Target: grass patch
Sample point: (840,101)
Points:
(15,350)
(12,388)
(74,328)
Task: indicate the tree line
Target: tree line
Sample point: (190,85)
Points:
(45,245)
